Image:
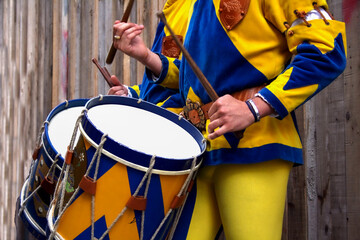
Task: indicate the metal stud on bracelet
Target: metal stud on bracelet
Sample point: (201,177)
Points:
(254,110)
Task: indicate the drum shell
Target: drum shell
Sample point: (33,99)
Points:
(35,209)
(114,187)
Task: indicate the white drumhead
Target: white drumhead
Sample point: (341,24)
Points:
(144,131)
(61,128)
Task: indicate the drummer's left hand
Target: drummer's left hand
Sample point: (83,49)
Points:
(118,88)
(228,115)
(231,115)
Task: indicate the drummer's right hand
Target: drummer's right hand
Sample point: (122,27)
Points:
(118,88)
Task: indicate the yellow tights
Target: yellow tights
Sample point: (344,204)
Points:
(248,200)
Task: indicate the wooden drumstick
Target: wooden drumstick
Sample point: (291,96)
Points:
(104,72)
(111,55)
(203,80)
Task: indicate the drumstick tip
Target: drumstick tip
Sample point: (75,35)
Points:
(161,16)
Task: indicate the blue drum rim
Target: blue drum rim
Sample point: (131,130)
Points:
(137,157)
(50,150)
(25,213)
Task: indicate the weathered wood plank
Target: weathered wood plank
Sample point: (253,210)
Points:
(352,123)
(310,169)
(5,8)
(47,57)
(56,21)
(101,46)
(73,49)
(331,159)
(94,14)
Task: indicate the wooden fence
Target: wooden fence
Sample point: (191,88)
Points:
(45,58)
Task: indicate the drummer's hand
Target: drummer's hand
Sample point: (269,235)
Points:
(130,41)
(231,115)
(118,88)
(228,115)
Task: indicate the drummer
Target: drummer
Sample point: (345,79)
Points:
(289,49)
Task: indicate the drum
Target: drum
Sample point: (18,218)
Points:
(141,160)
(37,191)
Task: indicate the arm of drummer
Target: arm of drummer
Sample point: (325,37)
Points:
(319,57)
(132,44)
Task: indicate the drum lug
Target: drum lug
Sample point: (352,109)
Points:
(68,156)
(48,185)
(177,201)
(88,185)
(35,154)
(137,203)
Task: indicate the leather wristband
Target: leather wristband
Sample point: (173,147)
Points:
(254,110)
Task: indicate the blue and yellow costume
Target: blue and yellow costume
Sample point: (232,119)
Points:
(258,51)
(292,46)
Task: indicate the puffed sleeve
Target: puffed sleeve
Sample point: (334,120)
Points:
(169,76)
(318,44)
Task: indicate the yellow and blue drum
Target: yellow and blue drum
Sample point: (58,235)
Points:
(140,160)
(38,189)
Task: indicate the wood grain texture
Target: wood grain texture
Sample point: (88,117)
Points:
(352,124)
